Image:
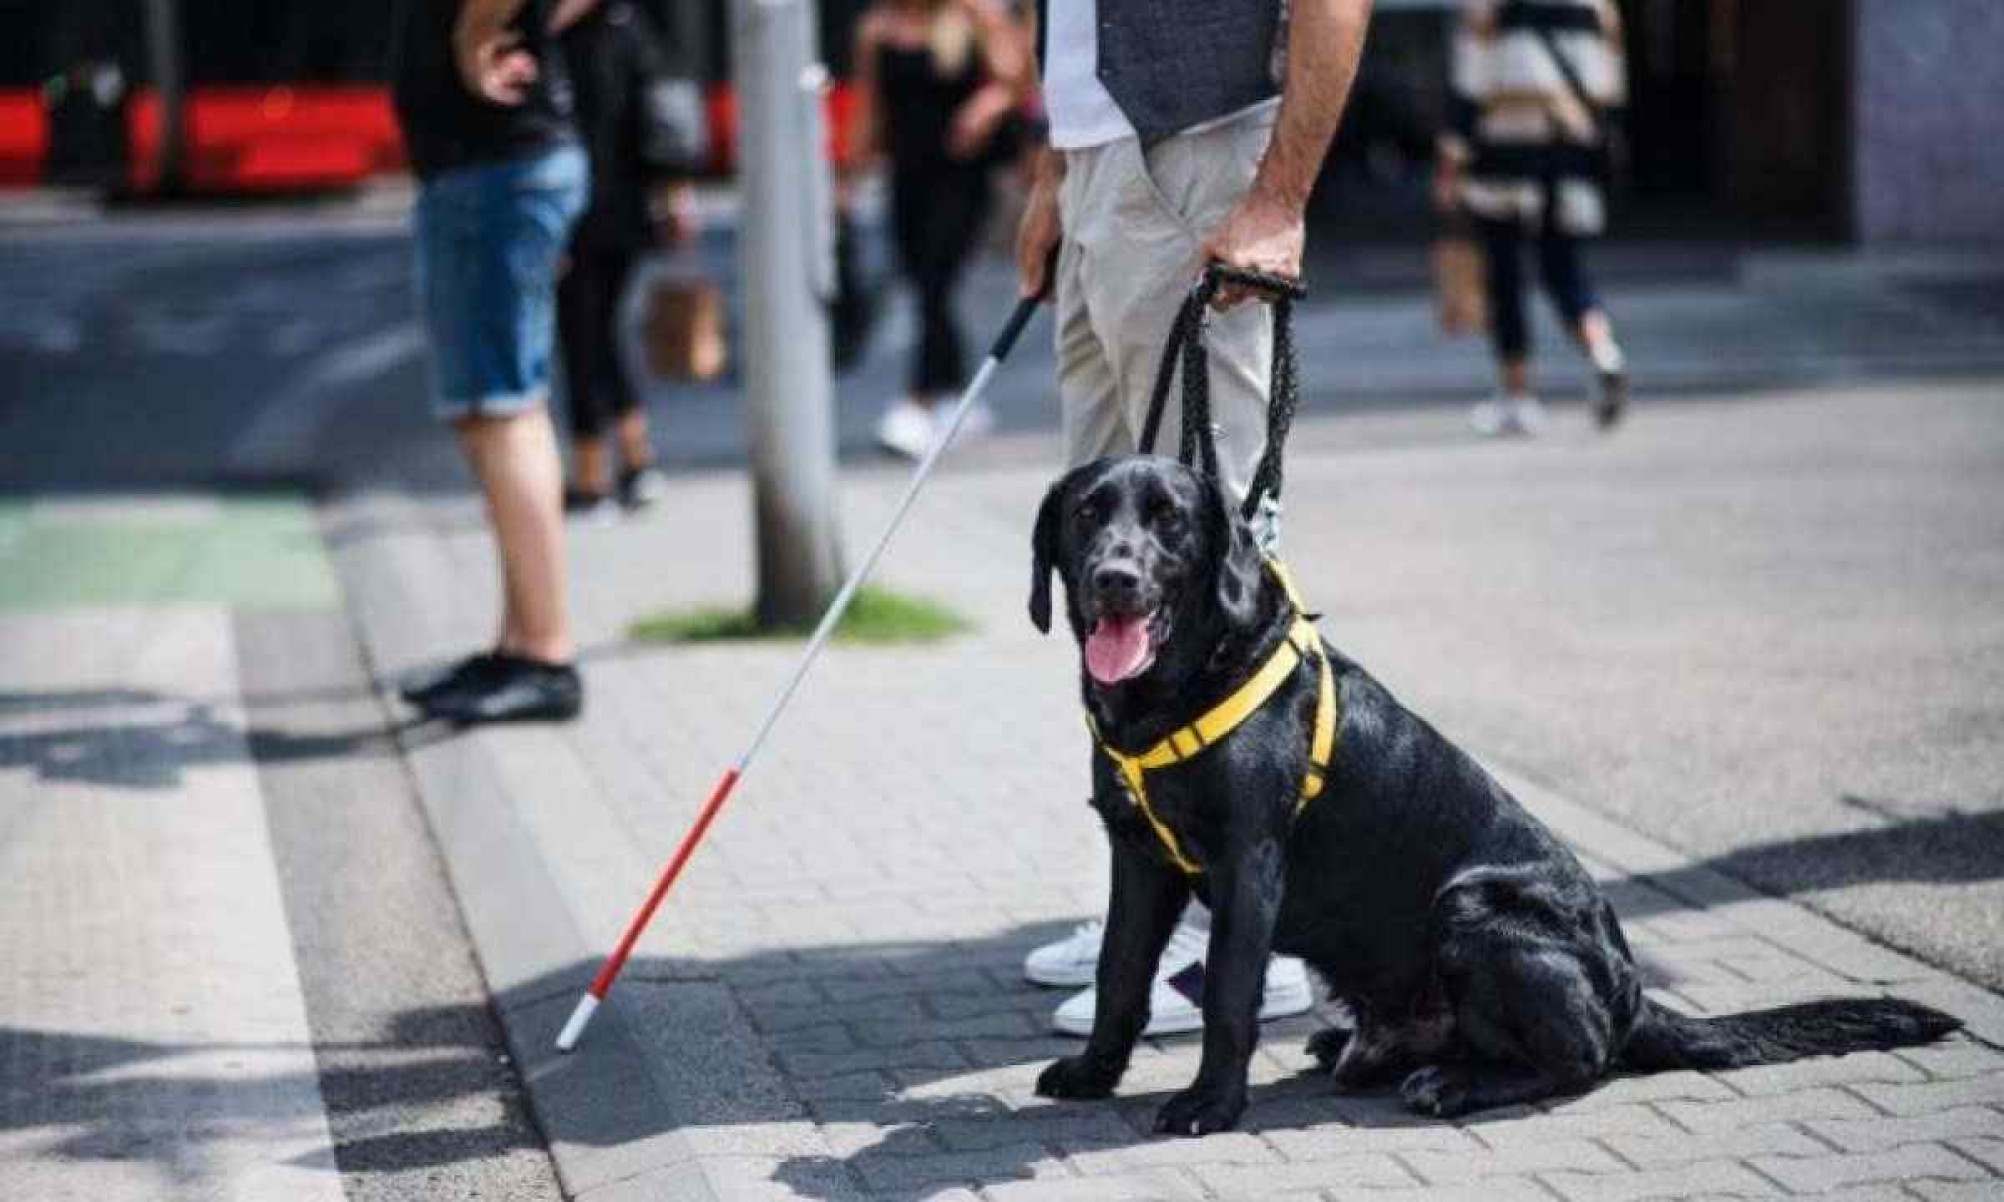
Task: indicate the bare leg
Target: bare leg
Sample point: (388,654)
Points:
(521,475)
(636,448)
(592,472)
(1516,377)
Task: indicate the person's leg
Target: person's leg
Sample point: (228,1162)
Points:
(1563,266)
(506,261)
(580,316)
(521,478)
(1515,409)
(906,426)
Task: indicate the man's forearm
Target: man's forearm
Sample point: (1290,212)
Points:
(1325,40)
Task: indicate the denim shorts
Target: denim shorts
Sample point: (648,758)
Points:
(489,241)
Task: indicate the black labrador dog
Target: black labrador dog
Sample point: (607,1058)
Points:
(1482,965)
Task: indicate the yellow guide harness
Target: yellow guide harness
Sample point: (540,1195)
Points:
(1302,642)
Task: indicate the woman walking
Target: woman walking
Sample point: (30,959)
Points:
(1525,157)
(939,82)
(614,59)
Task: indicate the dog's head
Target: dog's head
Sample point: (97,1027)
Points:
(1156,564)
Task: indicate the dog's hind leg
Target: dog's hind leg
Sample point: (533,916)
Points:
(1533,1015)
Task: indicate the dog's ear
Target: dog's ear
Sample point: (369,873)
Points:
(1044,556)
(1236,562)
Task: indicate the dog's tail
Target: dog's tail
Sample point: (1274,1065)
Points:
(1664,1039)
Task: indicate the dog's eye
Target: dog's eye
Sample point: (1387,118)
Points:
(1086,514)
(1166,518)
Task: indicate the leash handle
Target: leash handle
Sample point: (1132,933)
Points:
(1185,347)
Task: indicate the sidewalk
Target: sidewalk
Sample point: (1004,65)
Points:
(232,966)
(830,1005)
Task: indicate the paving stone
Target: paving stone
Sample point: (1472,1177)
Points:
(1453,1168)
(1874,1134)
(984,1167)
(1934,1096)
(1955,1191)
(1155,1151)
(1350,1172)
(1499,1189)
(1954,1058)
(1821,1070)
(1676,1147)
(1986,1149)
(1118,1187)
(1710,1118)
(1335,1141)
(1822,1173)
(1711,1176)
(1535,1126)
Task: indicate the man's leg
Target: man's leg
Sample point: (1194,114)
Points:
(516,461)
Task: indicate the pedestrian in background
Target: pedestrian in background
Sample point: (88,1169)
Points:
(941,85)
(485,107)
(1181,132)
(617,68)
(1527,156)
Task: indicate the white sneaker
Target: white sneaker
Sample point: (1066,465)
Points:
(1176,1000)
(1527,413)
(1069,962)
(1491,419)
(906,428)
(979,422)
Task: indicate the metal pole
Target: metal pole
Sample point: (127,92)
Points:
(164,55)
(784,244)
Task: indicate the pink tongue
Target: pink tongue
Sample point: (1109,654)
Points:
(1117,648)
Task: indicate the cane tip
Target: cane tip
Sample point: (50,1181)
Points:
(567,1039)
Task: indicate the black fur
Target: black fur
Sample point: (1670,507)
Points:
(1483,965)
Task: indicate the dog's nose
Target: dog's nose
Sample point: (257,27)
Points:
(1119,584)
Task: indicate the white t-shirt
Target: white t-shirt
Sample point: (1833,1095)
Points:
(1082,112)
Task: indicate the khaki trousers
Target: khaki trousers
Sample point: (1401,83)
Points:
(1133,221)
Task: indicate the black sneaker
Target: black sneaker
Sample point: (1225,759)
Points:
(640,487)
(417,687)
(510,689)
(1612,400)
(591,506)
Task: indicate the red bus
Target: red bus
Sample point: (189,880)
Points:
(282,95)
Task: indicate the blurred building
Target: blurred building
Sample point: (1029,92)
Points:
(1859,120)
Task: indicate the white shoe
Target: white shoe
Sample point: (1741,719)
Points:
(906,429)
(979,422)
(1527,413)
(1491,419)
(1069,962)
(1176,1000)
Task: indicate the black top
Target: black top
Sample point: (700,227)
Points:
(447,126)
(614,58)
(919,103)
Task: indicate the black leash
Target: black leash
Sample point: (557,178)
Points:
(1198,447)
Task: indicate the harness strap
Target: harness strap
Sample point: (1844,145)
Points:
(1189,741)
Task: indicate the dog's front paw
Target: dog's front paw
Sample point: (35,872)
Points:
(1076,1077)
(1200,1110)
(1436,1091)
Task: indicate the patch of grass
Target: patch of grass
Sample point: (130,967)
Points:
(877,617)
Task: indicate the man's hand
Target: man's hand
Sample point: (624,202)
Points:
(497,69)
(1265,233)
(1037,236)
(1325,38)
(492,62)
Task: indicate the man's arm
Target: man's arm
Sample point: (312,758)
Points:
(1325,40)
(492,62)
(1038,233)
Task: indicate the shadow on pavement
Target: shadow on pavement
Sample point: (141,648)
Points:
(151,752)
